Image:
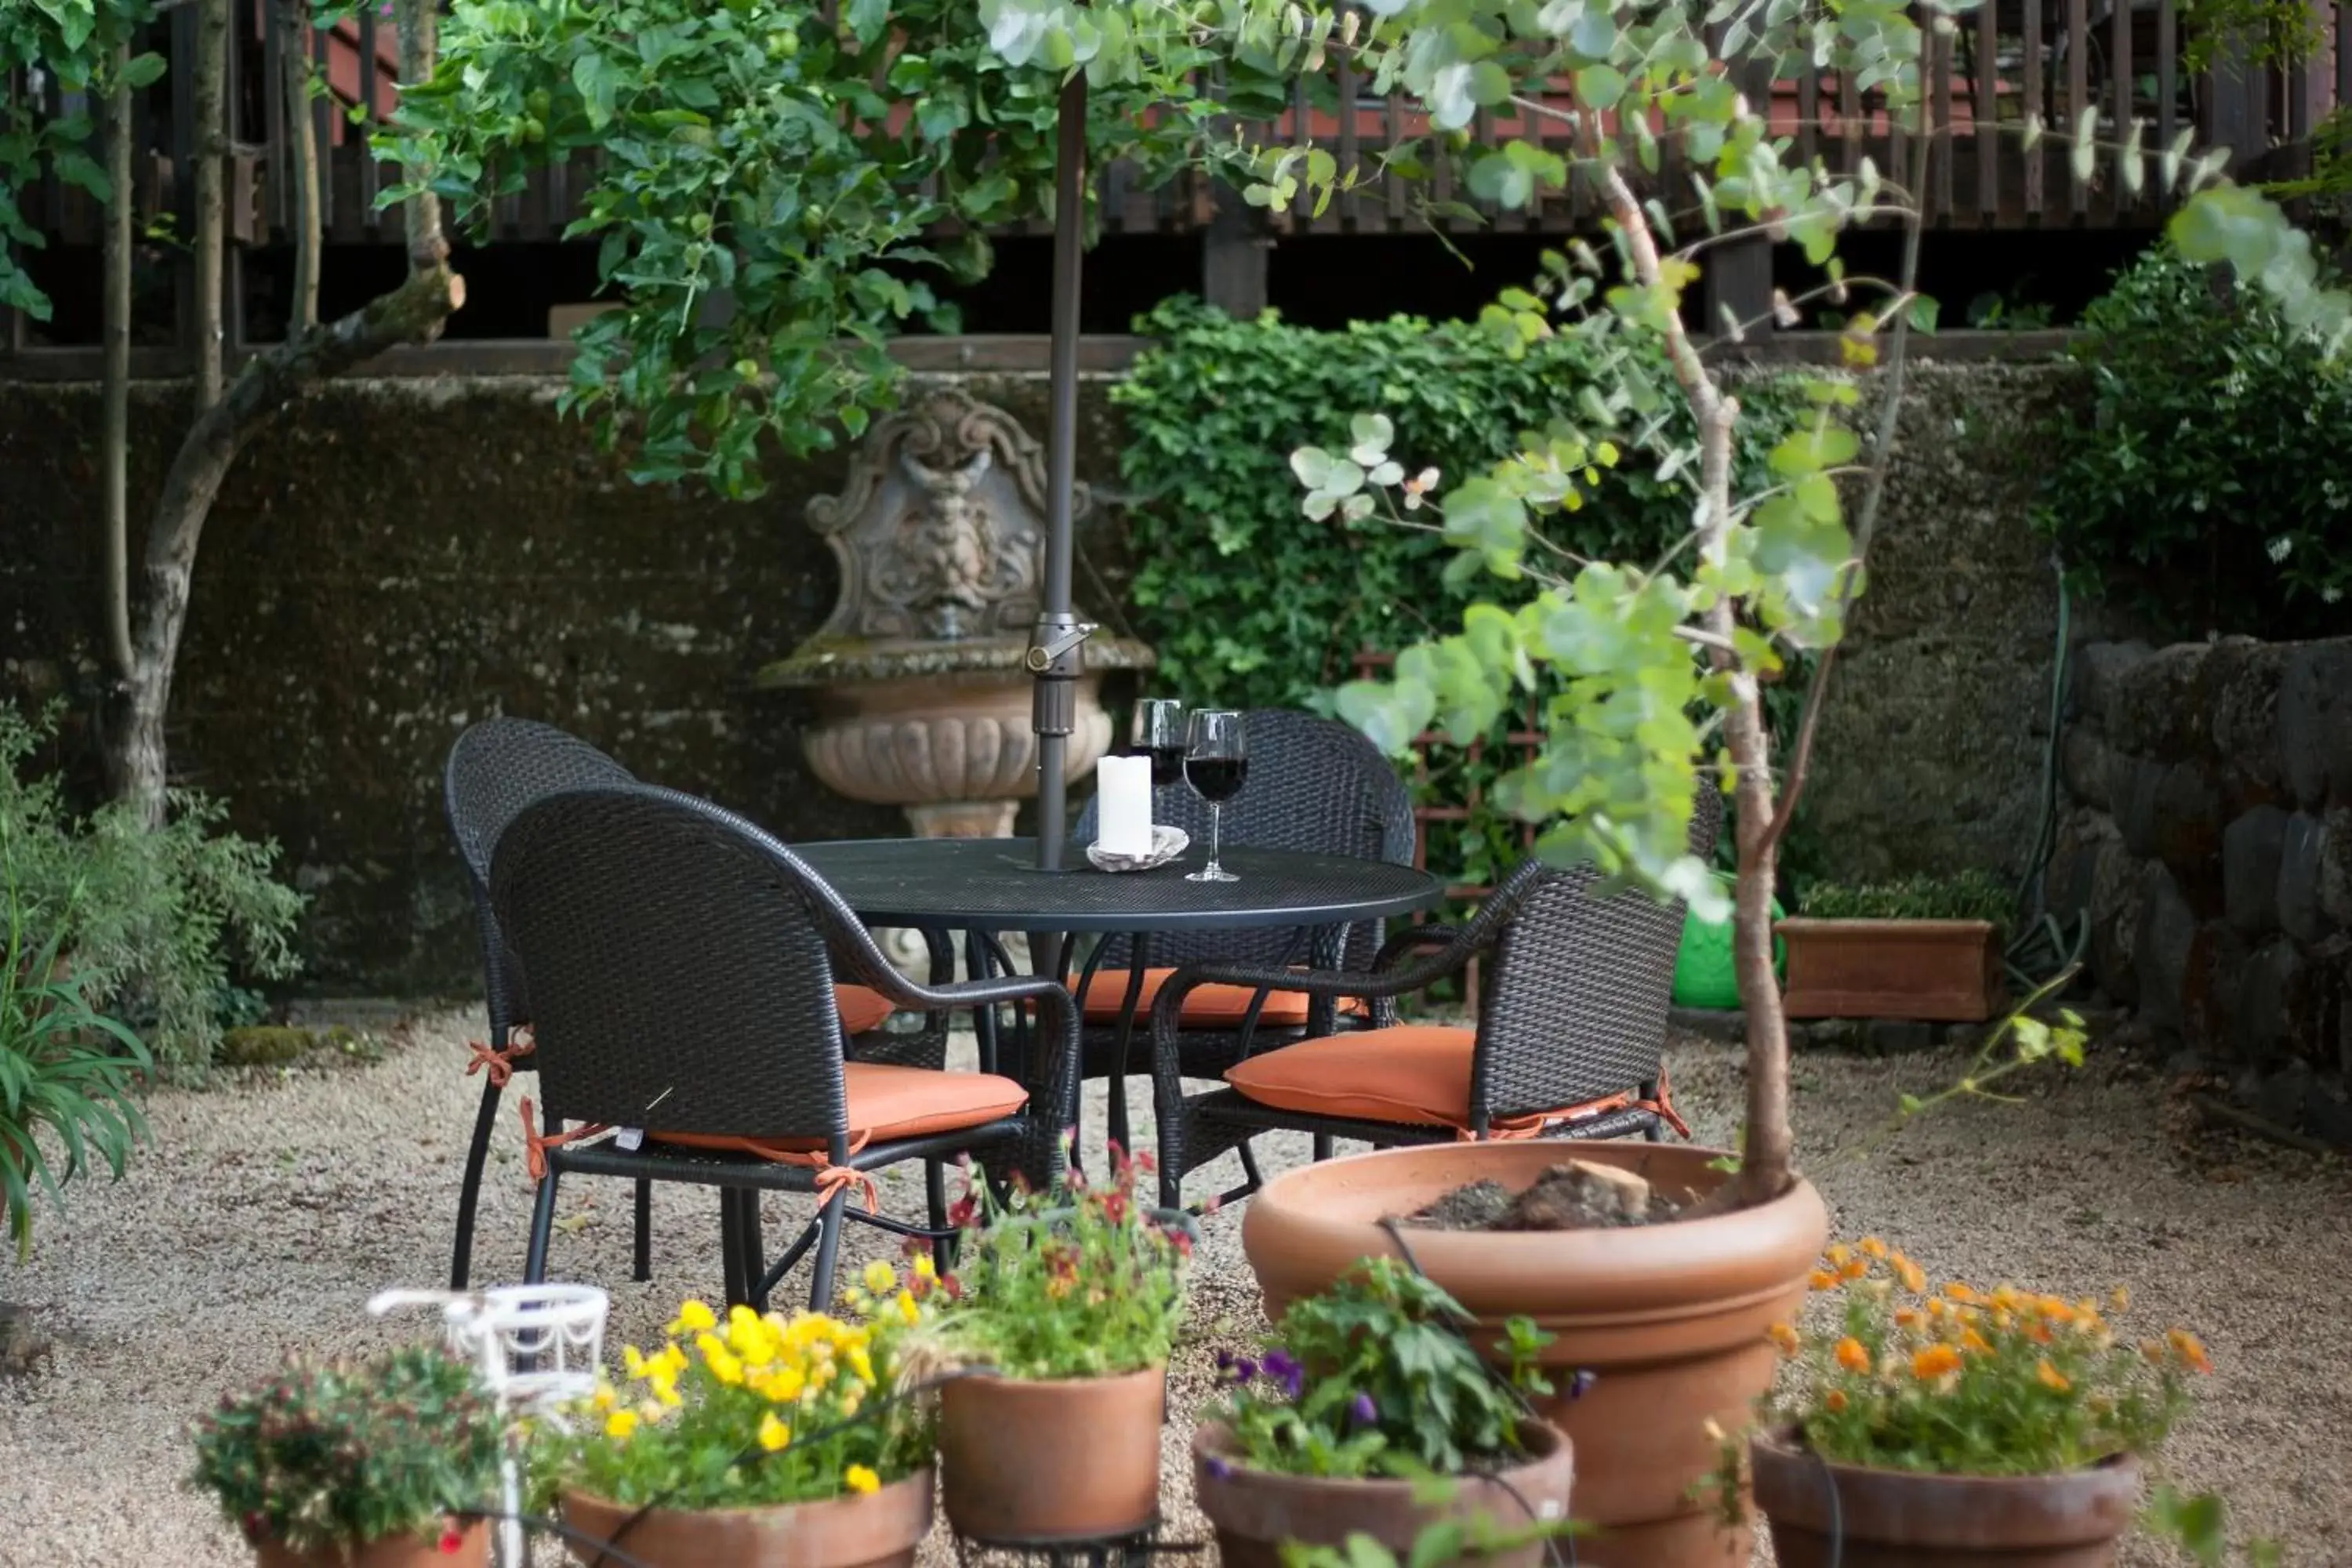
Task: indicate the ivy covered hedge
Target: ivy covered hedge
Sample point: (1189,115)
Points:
(1251,605)
(2202,484)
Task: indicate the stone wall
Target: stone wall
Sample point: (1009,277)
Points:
(2210,845)
(397,557)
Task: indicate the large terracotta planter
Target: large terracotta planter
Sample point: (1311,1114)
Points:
(1896,1519)
(402,1551)
(880,1529)
(1050,1460)
(1255,1512)
(1938,971)
(1670,1319)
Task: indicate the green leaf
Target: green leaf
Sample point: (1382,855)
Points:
(1599,87)
(1923,313)
(144,70)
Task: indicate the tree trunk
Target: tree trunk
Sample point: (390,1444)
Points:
(209,91)
(265,385)
(302,164)
(114,439)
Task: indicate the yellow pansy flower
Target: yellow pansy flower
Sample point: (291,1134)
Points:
(773,1434)
(620,1424)
(924,1267)
(861,1364)
(881,1278)
(692,1316)
(604,1398)
(858,1478)
(908,1310)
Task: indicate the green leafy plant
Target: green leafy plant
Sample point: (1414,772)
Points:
(2199,1523)
(148,920)
(1962,1380)
(67,1071)
(1963,895)
(757,1411)
(1085,1281)
(339,1453)
(1375,1377)
(2257,32)
(2198,484)
(1478,1537)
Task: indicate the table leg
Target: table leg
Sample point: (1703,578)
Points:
(1139,960)
(984,1019)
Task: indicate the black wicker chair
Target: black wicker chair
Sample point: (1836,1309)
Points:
(682,963)
(497,768)
(1569,1039)
(1316,785)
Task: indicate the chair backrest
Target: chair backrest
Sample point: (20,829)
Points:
(497,768)
(680,960)
(1316,785)
(1576,996)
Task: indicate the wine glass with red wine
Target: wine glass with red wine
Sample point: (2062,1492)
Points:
(1159,735)
(1216,762)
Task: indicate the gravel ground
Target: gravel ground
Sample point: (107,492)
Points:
(268,1209)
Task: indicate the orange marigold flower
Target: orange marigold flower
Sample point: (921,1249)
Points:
(1784,1336)
(1821,1280)
(1907,1318)
(1854,1269)
(1957,1291)
(1839,1254)
(1972,1340)
(2050,1376)
(2056,1310)
(2189,1348)
(1873,1247)
(2152,1351)
(2039,1334)
(1914,1278)
(1934,1361)
(1835,1401)
(1936,1307)
(1850,1354)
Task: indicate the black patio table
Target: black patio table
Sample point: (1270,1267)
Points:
(984,886)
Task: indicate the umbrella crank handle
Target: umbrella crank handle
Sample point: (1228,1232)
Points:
(1058,644)
(1056,656)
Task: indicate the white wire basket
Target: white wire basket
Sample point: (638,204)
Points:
(538,1347)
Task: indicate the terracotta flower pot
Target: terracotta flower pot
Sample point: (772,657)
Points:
(1897,1518)
(1074,1459)
(1670,1319)
(401,1552)
(879,1530)
(1255,1512)
(1939,971)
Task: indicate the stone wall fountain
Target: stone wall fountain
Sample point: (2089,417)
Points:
(920,695)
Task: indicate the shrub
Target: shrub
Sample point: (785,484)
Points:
(1213,408)
(148,920)
(339,1453)
(1966,896)
(2200,484)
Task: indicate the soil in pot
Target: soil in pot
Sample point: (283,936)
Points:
(1822,1514)
(1574,1195)
(401,1552)
(878,1531)
(1255,1512)
(1670,1319)
(1051,1459)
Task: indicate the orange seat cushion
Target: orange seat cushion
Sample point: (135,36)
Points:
(1205,1006)
(861,1009)
(1416,1073)
(888,1102)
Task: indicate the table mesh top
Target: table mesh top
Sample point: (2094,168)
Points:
(994,884)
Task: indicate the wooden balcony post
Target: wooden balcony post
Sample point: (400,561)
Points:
(1234,257)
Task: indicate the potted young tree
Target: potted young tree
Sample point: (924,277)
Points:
(1961,1425)
(384,1463)
(1364,1394)
(762,1441)
(1067,1307)
(1925,947)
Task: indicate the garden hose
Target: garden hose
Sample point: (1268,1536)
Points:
(2043,946)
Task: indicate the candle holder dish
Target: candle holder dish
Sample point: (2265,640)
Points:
(1167,843)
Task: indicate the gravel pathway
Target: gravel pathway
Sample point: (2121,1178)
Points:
(269,1208)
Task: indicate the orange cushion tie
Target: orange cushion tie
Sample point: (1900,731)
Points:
(500,1063)
(535,1146)
(830,1178)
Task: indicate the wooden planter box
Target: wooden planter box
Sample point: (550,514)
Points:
(1936,971)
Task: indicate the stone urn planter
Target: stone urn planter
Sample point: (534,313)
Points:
(919,695)
(1255,1512)
(1934,971)
(1823,1514)
(879,1530)
(1051,1459)
(1669,1319)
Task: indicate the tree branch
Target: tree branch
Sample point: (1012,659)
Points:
(114,436)
(209,91)
(302,166)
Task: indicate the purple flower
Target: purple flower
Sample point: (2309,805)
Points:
(1284,1368)
(1582,1383)
(1362,1411)
(1238,1369)
(1220,1469)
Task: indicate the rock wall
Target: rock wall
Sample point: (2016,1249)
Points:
(396,557)
(2210,845)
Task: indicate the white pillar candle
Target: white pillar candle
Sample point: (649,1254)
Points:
(1123,793)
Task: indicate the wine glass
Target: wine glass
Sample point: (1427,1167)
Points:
(1216,762)
(1159,735)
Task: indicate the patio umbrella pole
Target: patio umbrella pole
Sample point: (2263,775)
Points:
(1058,645)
